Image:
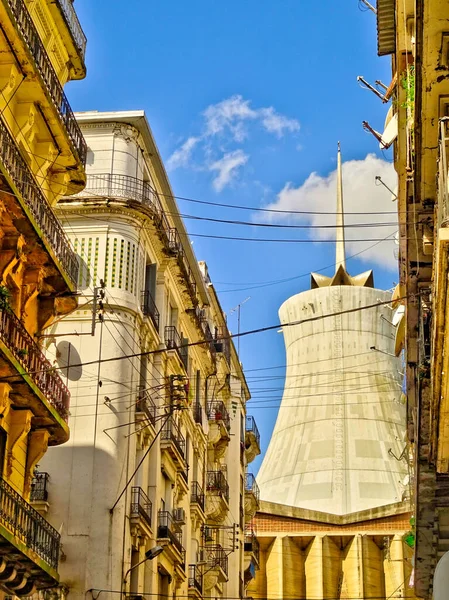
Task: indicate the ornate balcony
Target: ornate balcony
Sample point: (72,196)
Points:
(24,356)
(146,406)
(149,308)
(197,495)
(39,491)
(169,534)
(173,442)
(219,427)
(32,41)
(223,343)
(195,581)
(141,510)
(217,496)
(216,561)
(252,439)
(71,19)
(36,207)
(30,546)
(252,552)
(200,318)
(252,497)
(174,341)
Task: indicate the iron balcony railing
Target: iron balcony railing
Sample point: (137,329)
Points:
(251,427)
(167,528)
(16,169)
(197,495)
(130,188)
(71,19)
(28,526)
(25,350)
(251,486)
(216,484)
(215,556)
(141,505)
(195,578)
(149,308)
(223,342)
(32,40)
(252,544)
(202,323)
(39,491)
(198,413)
(146,405)
(171,432)
(173,341)
(217,411)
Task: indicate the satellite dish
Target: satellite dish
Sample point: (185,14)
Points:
(67,354)
(399,337)
(390,132)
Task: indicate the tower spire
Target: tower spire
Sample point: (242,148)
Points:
(340,259)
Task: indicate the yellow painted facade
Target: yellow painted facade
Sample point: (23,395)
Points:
(42,156)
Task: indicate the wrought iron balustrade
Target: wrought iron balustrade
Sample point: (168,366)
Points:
(223,342)
(146,405)
(251,486)
(195,578)
(217,484)
(114,185)
(198,413)
(171,432)
(251,427)
(71,19)
(217,411)
(174,341)
(197,495)
(25,350)
(252,544)
(149,308)
(28,526)
(167,528)
(141,505)
(30,35)
(21,178)
(39,491)
(215,556)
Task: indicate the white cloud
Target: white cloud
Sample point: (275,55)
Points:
(181,156)
(360,194)
(227,168)
(276,123)
(225,125)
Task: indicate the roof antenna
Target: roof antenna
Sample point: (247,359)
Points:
(368,6)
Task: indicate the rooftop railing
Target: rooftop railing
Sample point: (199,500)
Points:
(141,505)
(32,40)
(71,19)
(174,341)
(46,222)
(25,350)
(149,308)
(217,484)
(28,526)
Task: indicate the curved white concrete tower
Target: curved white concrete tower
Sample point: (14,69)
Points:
(341,422)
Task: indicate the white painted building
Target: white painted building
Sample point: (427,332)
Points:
(159,442)
(338,445)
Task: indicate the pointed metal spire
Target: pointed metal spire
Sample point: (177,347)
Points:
(340,259)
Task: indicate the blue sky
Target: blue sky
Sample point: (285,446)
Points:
(260,92)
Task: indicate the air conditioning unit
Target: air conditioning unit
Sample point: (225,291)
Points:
(179,515)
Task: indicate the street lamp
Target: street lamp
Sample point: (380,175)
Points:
(149,555)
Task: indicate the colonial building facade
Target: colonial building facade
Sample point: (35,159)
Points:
(42,157)
(160,441)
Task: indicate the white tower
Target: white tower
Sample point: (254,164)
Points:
(337,443)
